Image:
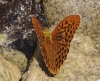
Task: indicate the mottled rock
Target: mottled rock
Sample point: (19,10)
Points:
(17,57)
(15,22)
(8,70)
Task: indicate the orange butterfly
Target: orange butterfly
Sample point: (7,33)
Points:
(55,46)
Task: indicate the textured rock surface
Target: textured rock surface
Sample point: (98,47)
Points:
(83,60)
(8,70)
(12,55)
(15,22)
(16,31)
(17,57)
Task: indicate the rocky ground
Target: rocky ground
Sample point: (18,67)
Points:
(83,60)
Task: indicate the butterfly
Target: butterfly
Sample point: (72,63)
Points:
(55,45)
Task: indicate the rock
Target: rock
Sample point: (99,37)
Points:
(17,57)
(8,70)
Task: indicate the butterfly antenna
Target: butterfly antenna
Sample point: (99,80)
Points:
(56,18)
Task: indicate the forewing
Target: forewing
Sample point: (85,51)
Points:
(61,38)
(43,42)
(38,29)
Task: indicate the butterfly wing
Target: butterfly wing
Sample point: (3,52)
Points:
(38,29)
(61,38)
(44,42)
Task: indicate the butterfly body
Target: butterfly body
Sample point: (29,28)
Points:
(55,45)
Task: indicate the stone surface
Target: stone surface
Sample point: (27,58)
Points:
(12,55)
(15,22)
(17,57)
(83,60)
(8,70)
(33,72)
